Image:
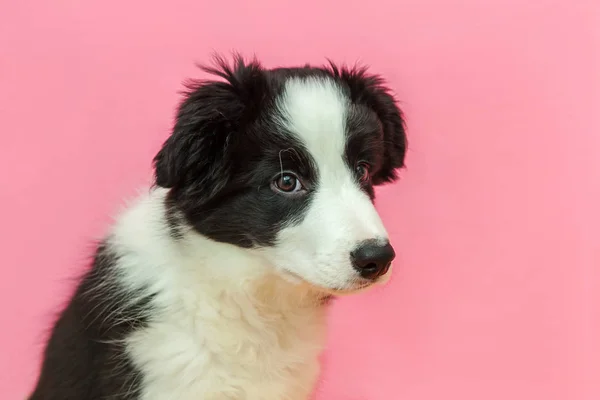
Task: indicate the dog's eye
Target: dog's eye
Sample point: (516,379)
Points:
(363,171)
(287,183)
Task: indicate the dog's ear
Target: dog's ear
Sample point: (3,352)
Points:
(371,90)
(195,159)
(394,135)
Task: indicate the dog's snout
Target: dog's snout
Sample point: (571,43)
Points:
(372,258)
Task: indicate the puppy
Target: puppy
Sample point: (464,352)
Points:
(214,284)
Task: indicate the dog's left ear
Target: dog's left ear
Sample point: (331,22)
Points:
(371,90)
(394,135)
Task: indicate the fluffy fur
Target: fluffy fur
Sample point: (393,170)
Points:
(214,284)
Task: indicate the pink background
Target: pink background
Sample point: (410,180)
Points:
(496,290)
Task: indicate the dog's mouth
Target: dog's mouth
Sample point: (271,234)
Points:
(352,287)
(350,290)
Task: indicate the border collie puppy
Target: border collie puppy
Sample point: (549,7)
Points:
(214,284)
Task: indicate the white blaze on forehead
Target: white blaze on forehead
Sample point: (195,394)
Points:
(341,215)
(315,110)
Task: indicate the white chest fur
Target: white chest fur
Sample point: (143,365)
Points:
(229,350)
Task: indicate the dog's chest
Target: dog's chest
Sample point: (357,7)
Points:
(227,352)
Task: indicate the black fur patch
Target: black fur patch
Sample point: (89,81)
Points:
(84,358)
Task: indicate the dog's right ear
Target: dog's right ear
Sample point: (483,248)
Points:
(194,161)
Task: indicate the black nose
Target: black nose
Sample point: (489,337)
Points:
(372,258)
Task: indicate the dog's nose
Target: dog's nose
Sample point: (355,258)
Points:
(372,258)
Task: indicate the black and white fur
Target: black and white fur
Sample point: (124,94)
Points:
(214,284)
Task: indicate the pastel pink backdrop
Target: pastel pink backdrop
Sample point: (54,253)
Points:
(495,293)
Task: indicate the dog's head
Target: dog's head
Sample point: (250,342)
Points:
(283,162)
